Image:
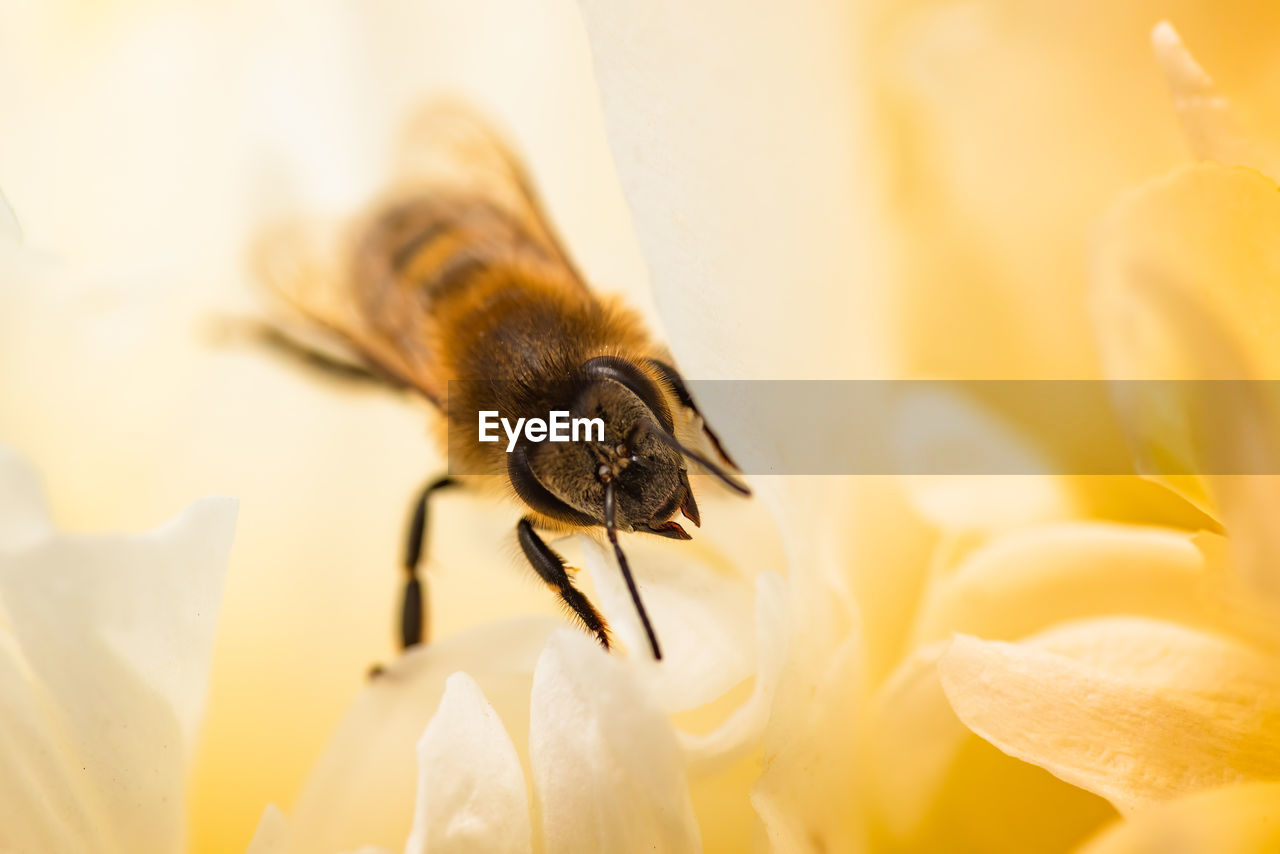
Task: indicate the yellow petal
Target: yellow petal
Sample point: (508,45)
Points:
(915,737)
(935,786)
(1205,112)
(471,790)
(1137,711)
(982,107)
(1028,580)
(1188,288)
(607,769)
(362,790)
(1240,819)
(1206,234)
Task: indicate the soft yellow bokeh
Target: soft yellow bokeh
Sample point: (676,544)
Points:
(1005,131)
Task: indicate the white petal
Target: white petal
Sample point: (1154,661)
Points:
(836,573)
(23,517)
(1137,711)
(9,227)
(471,790)
(737,126)
(983,503)
(272,835)
(807,795)
(362,790)
(1211,130)
(701,615)
(148,602)
(45,805)
(844,609)
(104,685)
(746,723)
(607,769)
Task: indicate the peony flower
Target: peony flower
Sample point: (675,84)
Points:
(105,644)
(897,189)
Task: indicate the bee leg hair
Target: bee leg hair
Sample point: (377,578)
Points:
(550,567)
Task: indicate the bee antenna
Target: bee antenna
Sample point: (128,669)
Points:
(611,528)
(725,478)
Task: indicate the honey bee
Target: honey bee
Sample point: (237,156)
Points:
(454,286)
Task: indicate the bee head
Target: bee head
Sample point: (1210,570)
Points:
(648,476)
(634,479)
(630,477)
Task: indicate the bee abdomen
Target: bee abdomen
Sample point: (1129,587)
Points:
(438,246)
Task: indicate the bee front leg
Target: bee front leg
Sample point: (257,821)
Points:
(673,378)
(551,568)
(413,606)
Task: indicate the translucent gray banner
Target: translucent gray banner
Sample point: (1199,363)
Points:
(925,427)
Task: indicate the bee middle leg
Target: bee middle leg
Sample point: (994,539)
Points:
(413,605)
(551,568)
(320,361)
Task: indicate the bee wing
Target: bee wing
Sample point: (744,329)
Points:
(304,264)
(447,149)
(348,278)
